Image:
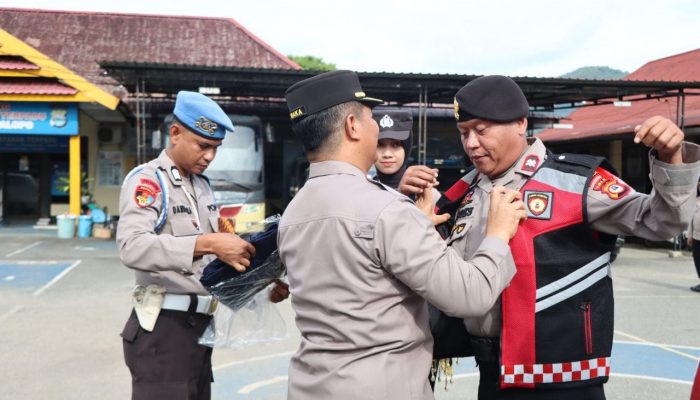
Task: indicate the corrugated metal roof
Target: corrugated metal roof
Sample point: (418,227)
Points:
(79,39)
(608,120)
(16,63)
(35,86)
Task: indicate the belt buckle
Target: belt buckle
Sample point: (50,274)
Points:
(212,305)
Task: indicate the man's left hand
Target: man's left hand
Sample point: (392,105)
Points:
(664,136)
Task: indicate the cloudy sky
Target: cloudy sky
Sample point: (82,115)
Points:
(511,37)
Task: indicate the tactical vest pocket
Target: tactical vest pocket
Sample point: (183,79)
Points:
(587,329)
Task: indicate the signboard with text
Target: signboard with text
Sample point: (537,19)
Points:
(26,118)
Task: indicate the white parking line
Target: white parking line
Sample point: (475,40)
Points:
(23,249)
(257,385)
(56,278)
(10,313)
(253,359)
(661,346)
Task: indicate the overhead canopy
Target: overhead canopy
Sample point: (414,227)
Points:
(395,88)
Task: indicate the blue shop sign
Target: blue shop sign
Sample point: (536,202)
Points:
(38,118)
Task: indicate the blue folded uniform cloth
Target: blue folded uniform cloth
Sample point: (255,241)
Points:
(234,289)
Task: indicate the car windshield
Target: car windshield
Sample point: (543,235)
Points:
(238,162)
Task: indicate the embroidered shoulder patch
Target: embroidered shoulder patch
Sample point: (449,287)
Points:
(539,204)
(608,184)
(146,192)
(530,163)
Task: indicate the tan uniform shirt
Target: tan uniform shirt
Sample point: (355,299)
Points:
(166,257)
(656,216)
(694,227)
(362,260)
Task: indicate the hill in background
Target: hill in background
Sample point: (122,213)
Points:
(595,73)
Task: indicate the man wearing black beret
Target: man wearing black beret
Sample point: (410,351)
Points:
(550,335)
(362,259)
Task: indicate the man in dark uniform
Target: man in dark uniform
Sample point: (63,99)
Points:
(550,335)
(167,233)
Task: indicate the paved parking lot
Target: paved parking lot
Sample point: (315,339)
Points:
(63,303)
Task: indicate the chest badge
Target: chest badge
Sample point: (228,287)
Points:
(539,204)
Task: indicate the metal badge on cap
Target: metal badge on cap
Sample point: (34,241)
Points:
(386,122)
(206,125)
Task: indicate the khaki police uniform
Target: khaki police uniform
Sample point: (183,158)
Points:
(362,261)
(166,362)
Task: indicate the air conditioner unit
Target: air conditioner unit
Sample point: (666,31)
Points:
(107,134)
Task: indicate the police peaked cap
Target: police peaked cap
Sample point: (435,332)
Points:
(393,124)
(324,91)
(492,98)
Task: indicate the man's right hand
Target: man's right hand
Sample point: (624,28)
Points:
(505,213)
(228,247)
(416,178)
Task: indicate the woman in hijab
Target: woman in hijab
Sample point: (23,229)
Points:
(394,147)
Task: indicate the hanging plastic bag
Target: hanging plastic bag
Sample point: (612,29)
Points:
(257,322)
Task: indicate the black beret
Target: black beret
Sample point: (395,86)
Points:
(324,91)
(492,98)
(393,124)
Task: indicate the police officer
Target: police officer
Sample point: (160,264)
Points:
(361,258)
(394,146)
(551,334)
(167,234)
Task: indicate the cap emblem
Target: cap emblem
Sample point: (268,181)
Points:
(360,95)
(206,125)
(386,122)
(456,105)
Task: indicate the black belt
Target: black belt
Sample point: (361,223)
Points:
(486,349)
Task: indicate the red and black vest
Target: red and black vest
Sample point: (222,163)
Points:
(558,310)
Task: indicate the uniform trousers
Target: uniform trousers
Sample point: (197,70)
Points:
(486,354)
(696,256)
(168,363)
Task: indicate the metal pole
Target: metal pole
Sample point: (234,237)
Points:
(425,124)
(421,154)
(680,110)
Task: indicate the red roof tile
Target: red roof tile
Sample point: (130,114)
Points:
(35,86)
(606,120)
(79,40)
(16,63)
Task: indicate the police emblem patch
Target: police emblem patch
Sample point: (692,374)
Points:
(386,122)
(530,163)
(206,125)
(608,184)
(457,229)
(539,204)
(146,192)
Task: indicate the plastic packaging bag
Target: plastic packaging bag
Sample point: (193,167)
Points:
(258,322)
(235,289)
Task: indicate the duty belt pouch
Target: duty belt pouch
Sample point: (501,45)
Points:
(147,303)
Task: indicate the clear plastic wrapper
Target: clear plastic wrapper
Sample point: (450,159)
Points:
(258,322)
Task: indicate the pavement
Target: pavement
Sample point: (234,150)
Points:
(64,302)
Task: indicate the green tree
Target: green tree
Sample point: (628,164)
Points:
(595,73)
(312,63)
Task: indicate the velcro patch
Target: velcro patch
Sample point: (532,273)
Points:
(539,204)
(146,192)
(608,184)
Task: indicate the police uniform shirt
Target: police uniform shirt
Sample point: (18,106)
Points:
(362,260)
(694,226)
(656,216)
(166,257)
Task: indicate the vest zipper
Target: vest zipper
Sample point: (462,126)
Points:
(587,331)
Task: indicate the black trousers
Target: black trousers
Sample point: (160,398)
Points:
(168,363)
(487,350)
(696,256)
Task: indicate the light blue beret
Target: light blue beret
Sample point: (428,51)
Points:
(202,115)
